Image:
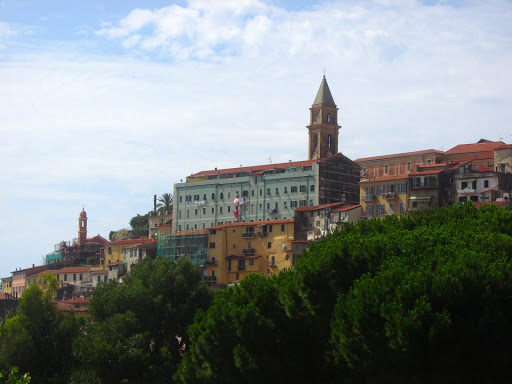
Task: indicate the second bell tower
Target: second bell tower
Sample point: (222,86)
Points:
(323,127)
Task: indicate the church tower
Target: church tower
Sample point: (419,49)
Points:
(323,127)
(82,227)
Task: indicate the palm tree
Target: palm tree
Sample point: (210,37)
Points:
(165,202)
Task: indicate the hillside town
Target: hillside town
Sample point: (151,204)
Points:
(260,219)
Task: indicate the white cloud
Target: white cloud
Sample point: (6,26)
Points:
(232,85)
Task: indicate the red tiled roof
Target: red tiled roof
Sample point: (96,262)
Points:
(424,152)
(301,241)
(115,263)
(316,207)
(97,240)
(62,270)
(100,272)
(431,172)
(387,178)
(504,146)
(475,156)
(254,168)
(345,209)
(484,169)
(253,223)
(65,307)
(32,269)
(133,241)
(484,146)
(77,301)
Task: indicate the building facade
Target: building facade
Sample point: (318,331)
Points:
(272,191)
(238,249)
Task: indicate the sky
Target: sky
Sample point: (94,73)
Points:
(104,104)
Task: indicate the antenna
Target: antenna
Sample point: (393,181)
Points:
(324,71)
(270,159)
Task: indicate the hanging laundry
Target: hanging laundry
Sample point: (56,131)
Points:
(235,212)
(237,200)
(242,200)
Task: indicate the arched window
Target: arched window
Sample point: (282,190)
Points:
(328,117)
(329,142)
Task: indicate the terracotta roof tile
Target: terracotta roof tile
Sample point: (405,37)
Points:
(133,241)
(317,207)
(254,168)
(345,209)
(253,223)
(430,172)
(477,147)
(504,146)
(424,152)
(97,240)
(403,176)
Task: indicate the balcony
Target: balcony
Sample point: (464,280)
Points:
(368,197)
(263,233)
(466,190)
(240,267)
(272,211)
(210,278)
(248,235)
(248,251)
(390,195)
(209,262)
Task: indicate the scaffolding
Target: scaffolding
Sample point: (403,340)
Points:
(53,257)
(192,244)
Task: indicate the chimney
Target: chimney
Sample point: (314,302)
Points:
(154,202)
(33,265)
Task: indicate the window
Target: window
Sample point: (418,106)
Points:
(268,205)
(486,183)
(204,196)
(402,188)
(302,203)
(229,208)
(187,227)
(195,226)
(188,213)
(213,231)
(317,223)
(238,276)
(270,228)
(429,161)
(58,278)
(229,195)
(312,188)
(74,276)
(109,250)
(251,261)
(409,166)
(65,277)
(329,141)
(287,257)
(213,273)
(222,195)
(380,210)
(81,276)
(28,282)
(268,191)
(363,172)
(204,211)
(430,181)
(188,198)
(381,190)
(213,196)
(293,204)
(328,117)
(98,279)
(213,210)
(369,211)
(401,208)
(464,185)
(180,202)
(277,205)
(277,191)
(105,278)
(415,204)
(293,189)
(285,204)
(282,227)
(204,225)
(391,188)
(386,168)
(252,193)
(179,214)
(273,262)
(416,182)
(473,184)
(245,193)
(285,189)
(261,192)
(195,211)
(303,188)
(212,245)
(220,210)
(196,197)
(473,198)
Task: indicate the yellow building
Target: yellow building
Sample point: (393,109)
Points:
(238,249)
(67,275)
(113,252)
(385,195)
(7,285)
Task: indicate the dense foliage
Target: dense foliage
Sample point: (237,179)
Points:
(137,331)
(422,298)
(411,299)
(38,339)
(139,226)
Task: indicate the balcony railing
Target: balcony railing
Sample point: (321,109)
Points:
(466,190)
(240,267)
(209,262)
(272,211)
(390,195)
(210,278)
(248,235)
(262,233)
(368,197)
(248,251)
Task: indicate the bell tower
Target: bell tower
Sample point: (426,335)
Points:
(82,227)
(323,127)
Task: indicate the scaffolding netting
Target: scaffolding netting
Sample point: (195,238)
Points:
(53,257)
(191,245)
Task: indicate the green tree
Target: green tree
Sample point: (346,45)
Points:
(165,202)
(139,225)
(246,337)
(39,338)
(14,377)
(137,331)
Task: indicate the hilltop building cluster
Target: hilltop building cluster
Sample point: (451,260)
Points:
(259,219)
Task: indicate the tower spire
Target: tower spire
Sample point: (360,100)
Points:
(323,96)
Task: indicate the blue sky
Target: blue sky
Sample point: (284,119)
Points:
(106,103)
